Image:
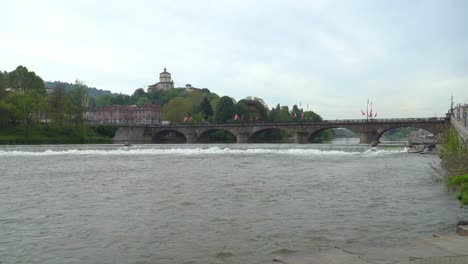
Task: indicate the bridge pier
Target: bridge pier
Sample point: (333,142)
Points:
(300,138)
(191,138)
(242,137)
(368,137)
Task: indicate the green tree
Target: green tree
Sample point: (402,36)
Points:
(77,101)
(176,110)
(2,84)
(56,105)
(26,102)
(206,108)
(6,113)
(26,107)
(25,82)
(143,101)
(104,100)
(122,99)
(252,109)
(275,114)
(225,109)
(139,92)
(285,115)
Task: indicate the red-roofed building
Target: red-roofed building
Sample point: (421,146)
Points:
(124,115)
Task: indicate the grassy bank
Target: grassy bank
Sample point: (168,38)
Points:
(454,156)
(51,134)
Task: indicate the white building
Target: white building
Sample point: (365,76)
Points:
(165,82)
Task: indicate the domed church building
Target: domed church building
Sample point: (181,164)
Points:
(165,82)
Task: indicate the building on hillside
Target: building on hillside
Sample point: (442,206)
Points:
(189,88)
(165,82)
(124,115)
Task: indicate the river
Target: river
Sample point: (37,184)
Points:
(213,203)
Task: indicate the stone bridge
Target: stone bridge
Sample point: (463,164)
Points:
(367,131)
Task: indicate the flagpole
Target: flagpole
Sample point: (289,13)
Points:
(367,114)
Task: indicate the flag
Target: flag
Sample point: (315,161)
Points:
(242,118)
(375,115)
(302,115)
(185,119)
(362,112)
(190,118)
(236,117)
(295,115)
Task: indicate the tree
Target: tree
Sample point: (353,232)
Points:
(56,104)
(123,99)
(311,116)
(285,115)
(275,114)
(143,101)
(139,92)
(2,84)
(252,108)
(6,113)
(25,82)
(176,110)
(104,100)
(26,107)
(206,108)
(225,109)
(77,102)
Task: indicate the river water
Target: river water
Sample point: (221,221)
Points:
(212,203)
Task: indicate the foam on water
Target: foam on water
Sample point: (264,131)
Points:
(198,151)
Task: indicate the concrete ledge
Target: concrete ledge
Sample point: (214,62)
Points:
(462,230)
(441,260)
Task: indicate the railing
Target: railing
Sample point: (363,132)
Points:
(461,114)
(387,120)
(326,122)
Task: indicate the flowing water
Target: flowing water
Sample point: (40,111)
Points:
(212,203)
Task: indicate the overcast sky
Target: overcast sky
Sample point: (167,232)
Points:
(408,57)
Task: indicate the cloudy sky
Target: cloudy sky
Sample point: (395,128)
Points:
(409,57)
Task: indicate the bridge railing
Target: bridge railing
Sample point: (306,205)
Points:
(461,114)
(327,122)
(386,120)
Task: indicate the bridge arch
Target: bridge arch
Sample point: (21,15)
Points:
(431,135)
(269,135)
(314,136)
(169,136)
(217,135)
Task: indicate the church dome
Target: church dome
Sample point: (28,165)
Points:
(165,72)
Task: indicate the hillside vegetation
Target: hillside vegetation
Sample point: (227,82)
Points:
(34,111)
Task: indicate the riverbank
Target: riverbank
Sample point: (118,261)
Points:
(48,134)
(454,155)
(446,248)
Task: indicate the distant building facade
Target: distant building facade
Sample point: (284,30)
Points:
(124,114)
(165,82)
